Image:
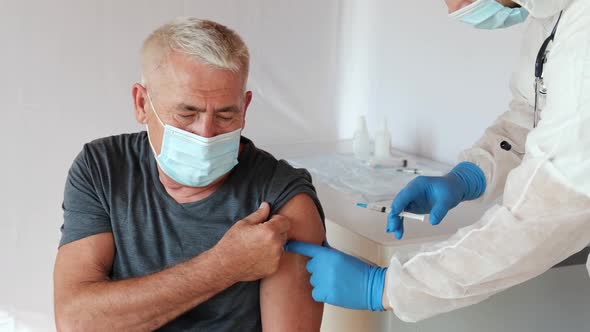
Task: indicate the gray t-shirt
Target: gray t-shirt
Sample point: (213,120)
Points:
(113,186)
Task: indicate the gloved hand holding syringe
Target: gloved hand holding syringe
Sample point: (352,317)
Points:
(384,209)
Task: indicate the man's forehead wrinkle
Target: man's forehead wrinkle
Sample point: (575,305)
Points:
(170,77)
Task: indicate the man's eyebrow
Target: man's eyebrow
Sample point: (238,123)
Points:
(228,109)
(187,107)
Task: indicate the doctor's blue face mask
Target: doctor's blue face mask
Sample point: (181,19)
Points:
(193,160)
(489,14)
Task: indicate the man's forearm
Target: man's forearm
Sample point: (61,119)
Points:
(143,303)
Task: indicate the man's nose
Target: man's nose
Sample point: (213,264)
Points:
(204,126)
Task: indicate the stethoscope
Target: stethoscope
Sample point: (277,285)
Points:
(540,88)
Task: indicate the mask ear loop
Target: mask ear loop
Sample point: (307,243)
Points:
(148,128)
(153,108)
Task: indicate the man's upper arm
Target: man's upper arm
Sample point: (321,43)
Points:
(285,297)
(83,261)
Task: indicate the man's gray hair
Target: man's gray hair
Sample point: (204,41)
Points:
(208,42)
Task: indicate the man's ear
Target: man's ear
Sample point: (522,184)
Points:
(139,93)
(247,101)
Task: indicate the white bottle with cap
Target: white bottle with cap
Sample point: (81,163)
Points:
(360,141)
(383,142)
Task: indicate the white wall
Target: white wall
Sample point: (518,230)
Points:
(439,83)
(66,70)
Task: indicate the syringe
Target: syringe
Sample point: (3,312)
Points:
(384,209)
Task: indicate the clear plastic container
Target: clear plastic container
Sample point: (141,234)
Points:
(360,142)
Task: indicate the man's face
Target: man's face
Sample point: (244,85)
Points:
(197,98)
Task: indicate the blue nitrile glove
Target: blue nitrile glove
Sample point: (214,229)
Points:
(436,195)
(340,279)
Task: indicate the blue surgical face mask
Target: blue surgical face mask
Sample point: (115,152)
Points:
(489,14)
(193,160)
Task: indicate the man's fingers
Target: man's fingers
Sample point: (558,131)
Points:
(260,215)
(284,237)
(305,249)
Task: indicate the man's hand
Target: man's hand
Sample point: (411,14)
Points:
(252,248)
(85,300)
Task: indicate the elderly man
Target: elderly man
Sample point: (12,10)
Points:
(182,227)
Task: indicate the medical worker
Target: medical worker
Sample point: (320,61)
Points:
(537,155)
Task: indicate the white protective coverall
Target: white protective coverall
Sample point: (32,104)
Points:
(545,213)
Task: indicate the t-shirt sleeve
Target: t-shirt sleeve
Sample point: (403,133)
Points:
(287,182)
(84,212)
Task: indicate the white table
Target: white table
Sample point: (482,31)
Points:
(340,207)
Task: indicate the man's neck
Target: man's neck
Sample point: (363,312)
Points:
(184,194)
